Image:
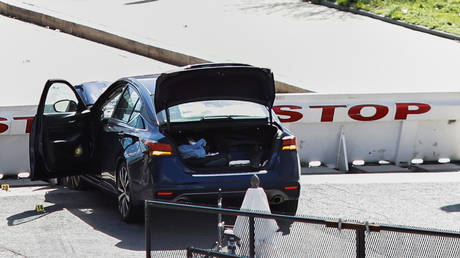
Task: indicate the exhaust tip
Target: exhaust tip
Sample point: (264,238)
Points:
(277,199)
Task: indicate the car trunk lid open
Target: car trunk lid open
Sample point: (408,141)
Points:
(231,82)
(219,116)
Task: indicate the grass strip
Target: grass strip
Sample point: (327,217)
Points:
(441,15)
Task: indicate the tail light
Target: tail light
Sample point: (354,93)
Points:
(165,193)
(159,149)
(289,143)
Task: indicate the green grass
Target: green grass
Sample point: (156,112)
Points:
(440,15)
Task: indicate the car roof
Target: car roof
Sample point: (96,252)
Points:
(148,81)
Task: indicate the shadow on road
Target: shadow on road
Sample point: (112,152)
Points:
(451,208)
(171,230)
(297,10)
(141,2)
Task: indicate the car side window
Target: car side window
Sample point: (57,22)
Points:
(136,119)
(109,106)
(60,98)
(126,105)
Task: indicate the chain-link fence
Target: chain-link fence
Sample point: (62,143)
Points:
(193,252)
(191,231)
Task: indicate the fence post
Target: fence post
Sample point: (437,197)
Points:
(360,243)
(147,229)
(252,251)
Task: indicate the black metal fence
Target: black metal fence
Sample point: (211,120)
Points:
(305,236)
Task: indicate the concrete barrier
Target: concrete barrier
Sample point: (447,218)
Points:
(336,130)
(333,130)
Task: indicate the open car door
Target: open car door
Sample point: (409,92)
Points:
(61,139)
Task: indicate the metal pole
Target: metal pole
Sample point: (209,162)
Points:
(360,243)
(147,229)
(220,229)
(252,251)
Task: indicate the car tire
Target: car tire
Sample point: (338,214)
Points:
(126,208)
(288,207)
(74,182)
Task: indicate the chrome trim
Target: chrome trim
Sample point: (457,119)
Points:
(212,193)
(205,194)
(261,172)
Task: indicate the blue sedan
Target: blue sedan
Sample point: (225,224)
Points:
(177,136)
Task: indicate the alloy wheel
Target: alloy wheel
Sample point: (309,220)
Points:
(123,186)
(73,182)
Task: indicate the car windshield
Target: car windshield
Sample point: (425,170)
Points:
(214,109)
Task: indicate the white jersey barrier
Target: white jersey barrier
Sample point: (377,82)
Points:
(334,129)
(15,122)
(337,129)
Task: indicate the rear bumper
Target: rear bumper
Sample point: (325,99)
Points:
(170,177)
(209,194)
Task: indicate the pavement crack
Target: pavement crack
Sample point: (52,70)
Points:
(11,251)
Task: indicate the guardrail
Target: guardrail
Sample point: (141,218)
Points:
(319,237)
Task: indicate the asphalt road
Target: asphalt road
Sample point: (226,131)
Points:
(306,45)
(86,223)
(430,200)
(30,55)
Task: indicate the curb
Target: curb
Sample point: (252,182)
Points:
(109,39)
(387,19)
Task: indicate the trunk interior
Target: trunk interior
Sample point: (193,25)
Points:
(226,148)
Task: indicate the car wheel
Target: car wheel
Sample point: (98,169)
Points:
(287,207)
(74,182)
(126,208)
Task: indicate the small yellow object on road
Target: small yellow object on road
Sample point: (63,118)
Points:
(5,187)
(39,208)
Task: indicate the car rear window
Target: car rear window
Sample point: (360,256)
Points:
(214,109)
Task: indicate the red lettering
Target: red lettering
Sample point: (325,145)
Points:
(29,119)
(3,127)
(327,114)
(328,111)
(355,112)
(402,109)
(293,116)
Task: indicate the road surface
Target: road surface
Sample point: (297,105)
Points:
(309,46)
(86,224)
(30,55)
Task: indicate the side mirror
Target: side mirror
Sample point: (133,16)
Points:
(65,105)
